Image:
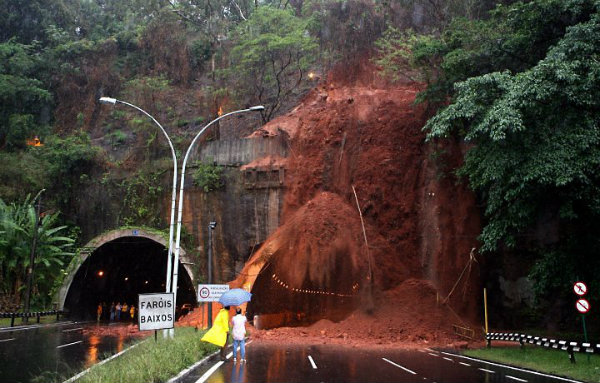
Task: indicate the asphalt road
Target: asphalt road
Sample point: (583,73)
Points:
(328,363)
(49,352)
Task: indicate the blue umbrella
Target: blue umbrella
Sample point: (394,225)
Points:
(235,297)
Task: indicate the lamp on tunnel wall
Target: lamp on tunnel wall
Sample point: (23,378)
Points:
(114,101)
(257,108)
(211,226)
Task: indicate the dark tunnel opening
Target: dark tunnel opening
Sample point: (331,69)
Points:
(118,271)
(278,304)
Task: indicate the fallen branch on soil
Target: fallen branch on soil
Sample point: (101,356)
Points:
(365,235)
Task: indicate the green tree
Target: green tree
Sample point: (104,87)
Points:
(53,250)
(24,101)
(534,131)
(272,53)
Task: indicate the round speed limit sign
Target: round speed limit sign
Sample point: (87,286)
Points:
(582,305)
(204,293)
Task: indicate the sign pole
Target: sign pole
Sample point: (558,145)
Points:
(486,312)
(585,334)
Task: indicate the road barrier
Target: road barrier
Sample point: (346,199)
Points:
(32,314)
(565,345)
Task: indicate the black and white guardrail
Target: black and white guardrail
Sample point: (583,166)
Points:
(570,347)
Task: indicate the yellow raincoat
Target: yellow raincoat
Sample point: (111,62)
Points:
(218,332)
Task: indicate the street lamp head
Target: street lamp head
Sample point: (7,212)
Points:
(257,108)
(108,100)
(212,225)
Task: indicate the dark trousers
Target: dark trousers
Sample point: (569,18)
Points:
(224,348)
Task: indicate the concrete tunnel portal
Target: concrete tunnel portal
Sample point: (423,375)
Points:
(118,266)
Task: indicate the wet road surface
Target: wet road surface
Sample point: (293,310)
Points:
(328,363)
(52,352)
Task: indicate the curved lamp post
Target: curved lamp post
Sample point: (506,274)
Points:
(257,108)
(113,101)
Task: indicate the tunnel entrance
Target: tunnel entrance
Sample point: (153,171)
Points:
(119,270)
(275,303)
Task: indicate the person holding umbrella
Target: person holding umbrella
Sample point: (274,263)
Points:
(219,332)
(239,335)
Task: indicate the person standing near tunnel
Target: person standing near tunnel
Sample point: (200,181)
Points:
(219,332)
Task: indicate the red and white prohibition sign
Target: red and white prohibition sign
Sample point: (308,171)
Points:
(582,305)
(580,288)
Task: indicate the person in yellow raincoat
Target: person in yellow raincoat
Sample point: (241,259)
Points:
(219,332)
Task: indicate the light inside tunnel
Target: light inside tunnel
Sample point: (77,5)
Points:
(118,271)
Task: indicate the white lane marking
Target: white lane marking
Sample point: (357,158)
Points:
(464,364)
(421,350)
(515,378)
(69,344)
(448,359)
(429,349)
(210,371)
(436,355)
(514,368)
(193,366)
(486,370)
(399,366)
(312,362)
(73,329)
(7,340)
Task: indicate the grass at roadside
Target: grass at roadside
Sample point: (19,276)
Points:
(153,361)
(541,359)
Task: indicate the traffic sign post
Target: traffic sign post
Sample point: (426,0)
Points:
(582,305)
(211,293)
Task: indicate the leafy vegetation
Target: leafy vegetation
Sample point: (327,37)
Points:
(208,177)
(271,57)
(523,90)
(53,249)
(545,360)
(152,361)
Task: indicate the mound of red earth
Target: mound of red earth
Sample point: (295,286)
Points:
(406,316)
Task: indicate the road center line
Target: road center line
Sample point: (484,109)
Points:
(312,362)
(486,370)
(399,366)
(7,340)
(451,360)
(73,329)
(513,368)
(515,378)
(432,354)
(69,344)
(464,364)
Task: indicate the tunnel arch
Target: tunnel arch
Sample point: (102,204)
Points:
(154,246)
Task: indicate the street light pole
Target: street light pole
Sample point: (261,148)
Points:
(211,227)
(113,101)
(32,254)
(257,108)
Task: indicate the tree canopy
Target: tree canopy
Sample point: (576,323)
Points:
(524,95)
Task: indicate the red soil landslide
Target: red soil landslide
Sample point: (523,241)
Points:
(421,224)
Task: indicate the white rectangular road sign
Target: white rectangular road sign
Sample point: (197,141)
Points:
(156,311)
(211,293)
